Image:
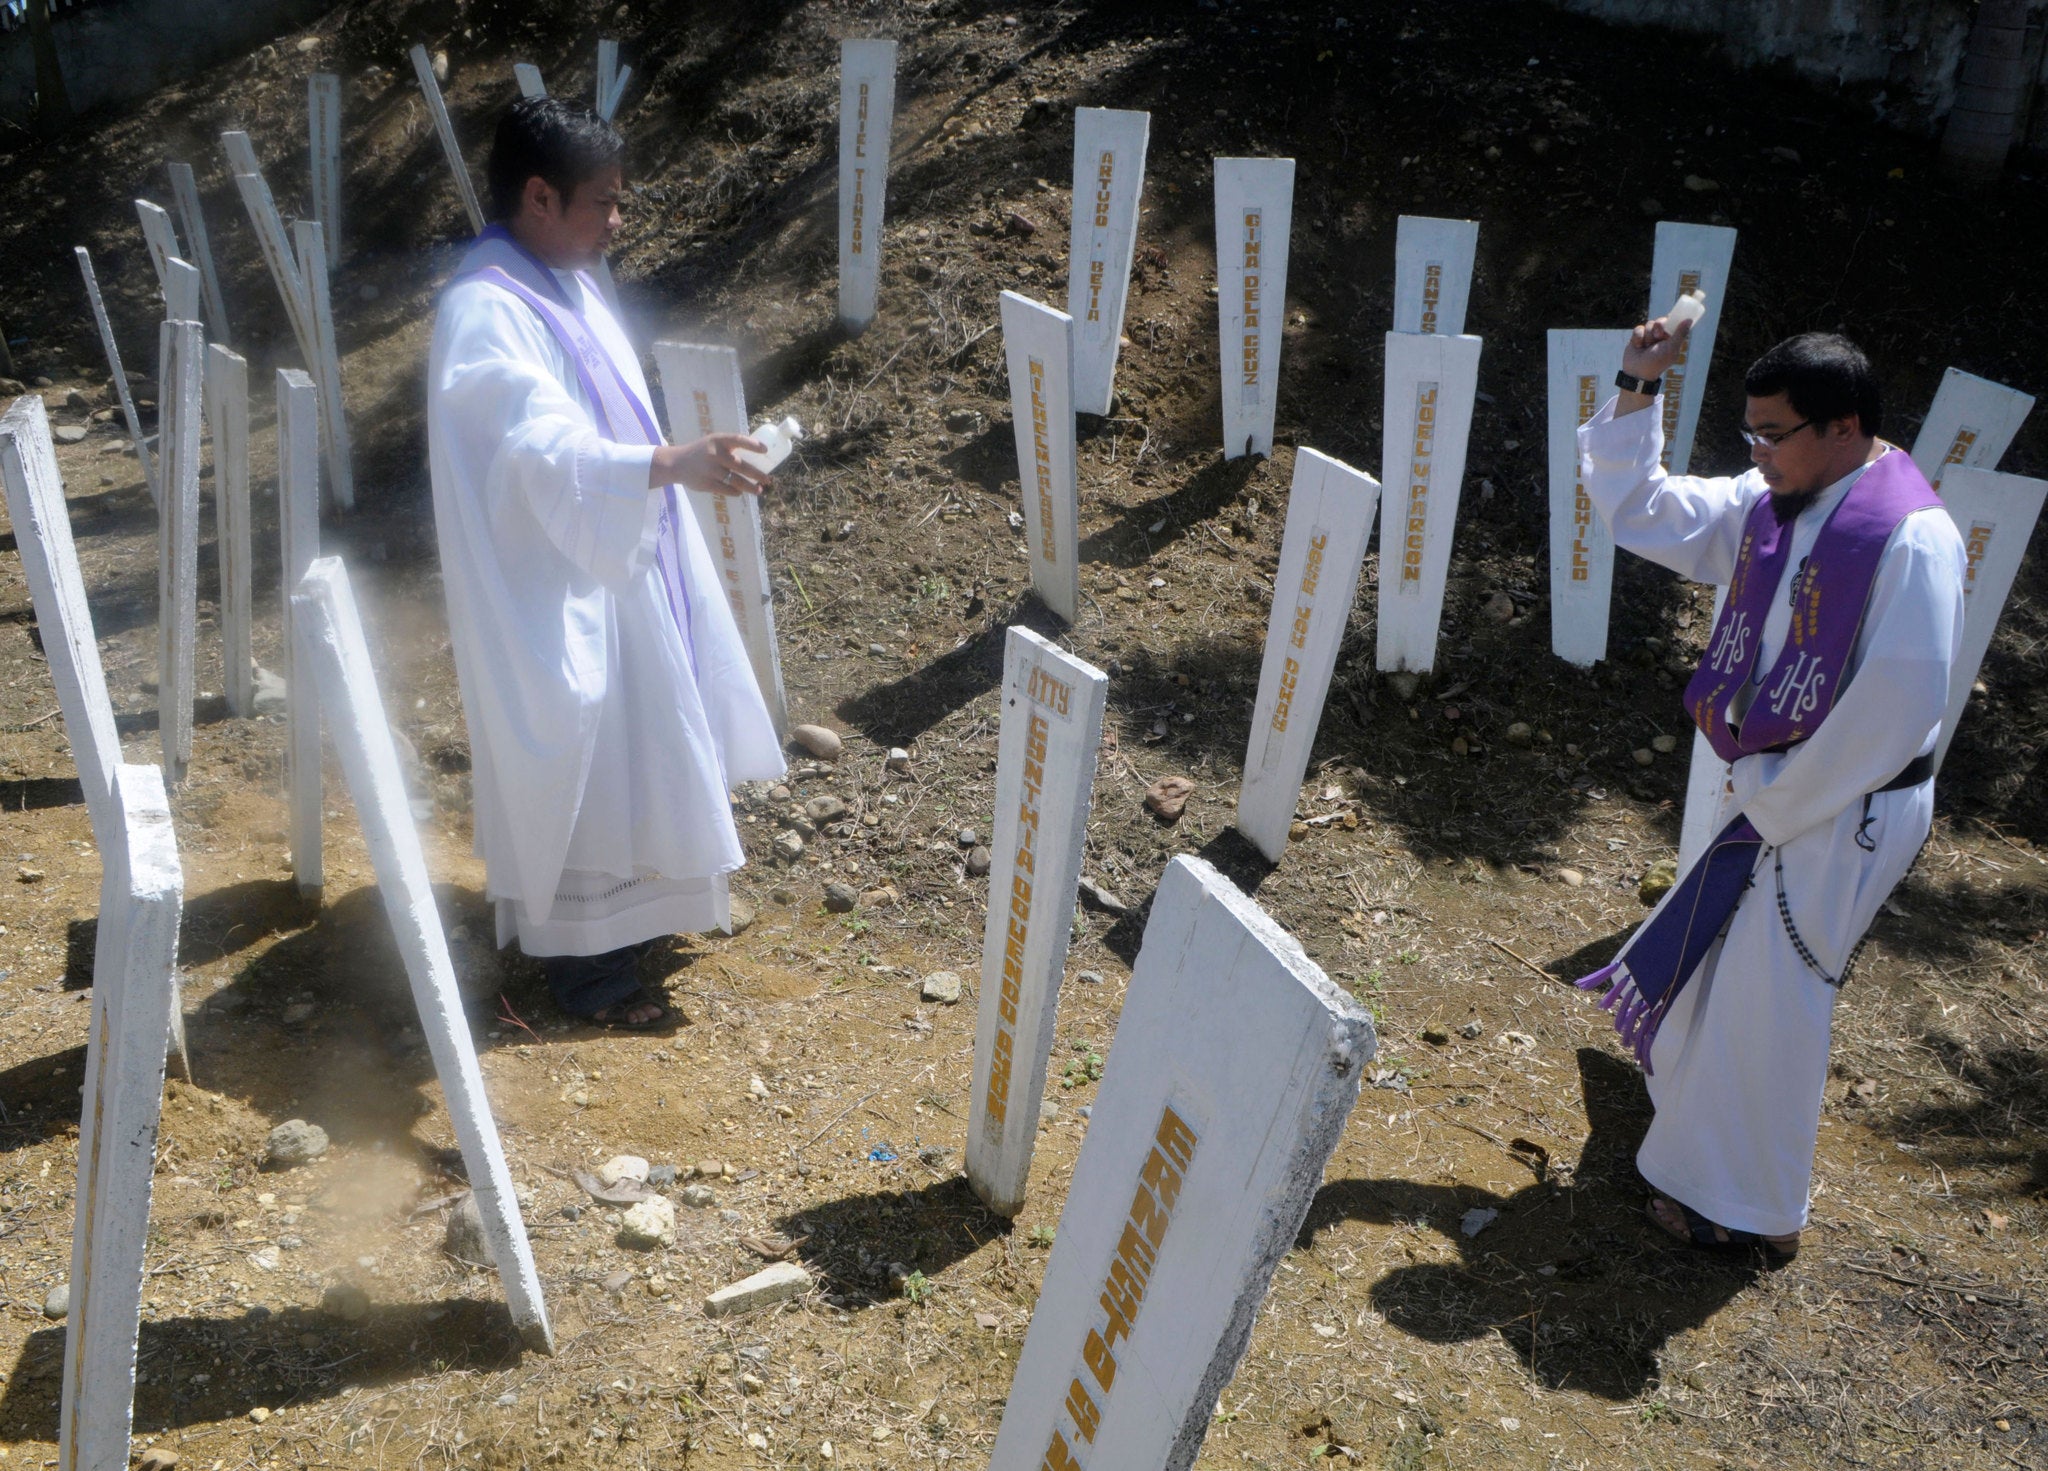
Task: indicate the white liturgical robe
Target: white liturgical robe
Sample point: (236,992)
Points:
(1738,1067)
(605,731)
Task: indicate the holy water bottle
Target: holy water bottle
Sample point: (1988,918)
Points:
(778,440)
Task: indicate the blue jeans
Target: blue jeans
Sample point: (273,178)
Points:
(584,985)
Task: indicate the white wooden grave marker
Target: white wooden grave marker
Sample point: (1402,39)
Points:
(611,79)
(323,139)
(331,647)
(1254,215)
(1689,258)
(271,238)
(1431,385)
(530,83)
(1996,514)
(298,525)
(1329,518)
(49,557)
(1045,773)
(1433,273)
(702,386)
(159,236)
(1236,1064)
(423,68)
(1582,365)
(1971,422)
(185,194)
(134,997)
(179,394)
(115,370)
(1038,343)
(325,363)
(181,291)
(1109,180)
(227,411)
(867,111)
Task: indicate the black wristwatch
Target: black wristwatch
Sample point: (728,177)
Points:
(1646,386)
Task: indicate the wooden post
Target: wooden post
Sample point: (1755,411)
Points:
(179,395)
(323,138)
(227,407)
(867,110)
(133,1004)
(1045,773)
(115,370)
(1431,385)
(325,363)
(185,195)
(271,238)
(1254,215)
(181,291)
(528,76)
(1433,273)
(331,647)
(1329,518)
(423,68)
(1038,344)
(1972,421)
(702,387)
(1236,1063)
(160,237)
(298,524)
(1109,183)
(1689,258)
(1996,515)
(1582,365)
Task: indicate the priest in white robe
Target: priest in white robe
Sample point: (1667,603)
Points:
(1737,1067)
(610,703)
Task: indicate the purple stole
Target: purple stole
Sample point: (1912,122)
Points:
(621,416)
(1793,697)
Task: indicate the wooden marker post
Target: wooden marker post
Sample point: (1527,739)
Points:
(1971,422)
(325,363)
(49,557)
(423,68)
(181,291)
(1254,215)
(298,525)
(867,110)
(329,635)
(116,371)
(1996,514)
(185,195)
(1109,181)
(272,240)
(134,1000)
(1045,774)
(1689,258)
(1431,385)
(1433,273)
(1582,367)
(179,396)
(702,386)
(227,411)
(160,237)
(528,76)
(1329,518)
(1235,1066)
(323,139)
(611,79)
(1038,344)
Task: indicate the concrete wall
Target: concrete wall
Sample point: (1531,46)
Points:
(124,48)
(1903,56)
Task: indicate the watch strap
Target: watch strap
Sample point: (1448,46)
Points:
(1645,386)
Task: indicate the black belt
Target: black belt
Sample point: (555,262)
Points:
(1919,769)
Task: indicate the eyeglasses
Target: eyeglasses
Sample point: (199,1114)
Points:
(1754,439)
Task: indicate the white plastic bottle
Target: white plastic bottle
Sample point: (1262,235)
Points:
(1690,307)
(779,440)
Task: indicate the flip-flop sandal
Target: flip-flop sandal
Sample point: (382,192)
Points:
(1706,1235)
(617,1017)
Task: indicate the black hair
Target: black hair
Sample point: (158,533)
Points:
(564,143)
(1823,376)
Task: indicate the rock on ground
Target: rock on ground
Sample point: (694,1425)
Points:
(649,1224)
(818,741)
(778,1282)
(294,1142)
(942,986)
(623,1167)
(464,1238)
(58,1303)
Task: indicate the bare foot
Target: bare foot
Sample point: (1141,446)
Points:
(637,1014)
(1670,1217)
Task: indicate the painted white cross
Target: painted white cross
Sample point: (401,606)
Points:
(1109,181)
(1433,273)
(227,410)
(1426,412)
(1971,422)
(1582,366)
(1254,216)
(180,392)
(1688,258)
(1038,344)
(423,68)
(867,110)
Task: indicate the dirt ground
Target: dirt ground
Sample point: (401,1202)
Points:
(1910,1332)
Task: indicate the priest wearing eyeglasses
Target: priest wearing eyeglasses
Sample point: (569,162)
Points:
(1821,692)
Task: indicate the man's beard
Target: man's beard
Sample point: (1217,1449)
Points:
(1787,505)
